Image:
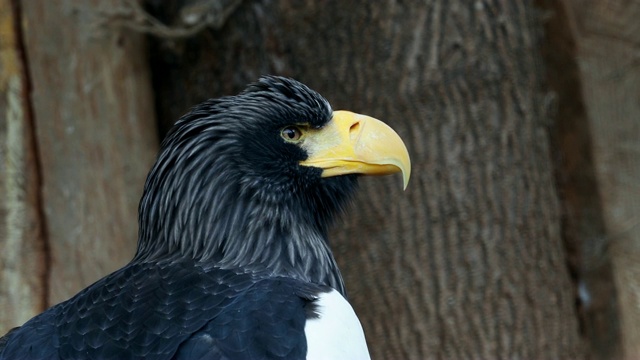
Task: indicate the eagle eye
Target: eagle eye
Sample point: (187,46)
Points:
(291,133)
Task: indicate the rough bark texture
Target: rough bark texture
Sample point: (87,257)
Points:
(93,115)
(607,36)
(469,262)
(583,218)
(22,252)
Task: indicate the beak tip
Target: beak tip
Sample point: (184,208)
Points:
(405,179)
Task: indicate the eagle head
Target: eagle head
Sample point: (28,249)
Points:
(253,181)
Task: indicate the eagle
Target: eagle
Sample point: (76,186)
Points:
(233,259)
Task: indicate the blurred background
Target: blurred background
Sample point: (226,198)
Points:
(518,236)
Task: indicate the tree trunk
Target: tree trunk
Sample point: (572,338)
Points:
(469,262)
(95,140)
(22,248)
(607,36)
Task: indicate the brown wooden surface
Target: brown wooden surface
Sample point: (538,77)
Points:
(469,261)
(584,229)
(94,121)
(22,253)
(608,42)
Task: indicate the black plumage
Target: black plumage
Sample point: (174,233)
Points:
(168,309)
(224,173)
(232,249)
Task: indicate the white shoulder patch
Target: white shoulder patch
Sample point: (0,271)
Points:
(337,333)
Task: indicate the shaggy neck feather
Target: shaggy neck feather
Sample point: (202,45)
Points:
(205,210)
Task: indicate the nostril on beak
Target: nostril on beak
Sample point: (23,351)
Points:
(354,130)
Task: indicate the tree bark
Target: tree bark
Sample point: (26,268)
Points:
(469,262)
(607,36)
(22,249)
(584,229)
(94,127)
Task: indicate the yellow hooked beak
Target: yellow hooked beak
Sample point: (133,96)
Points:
(356,144)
